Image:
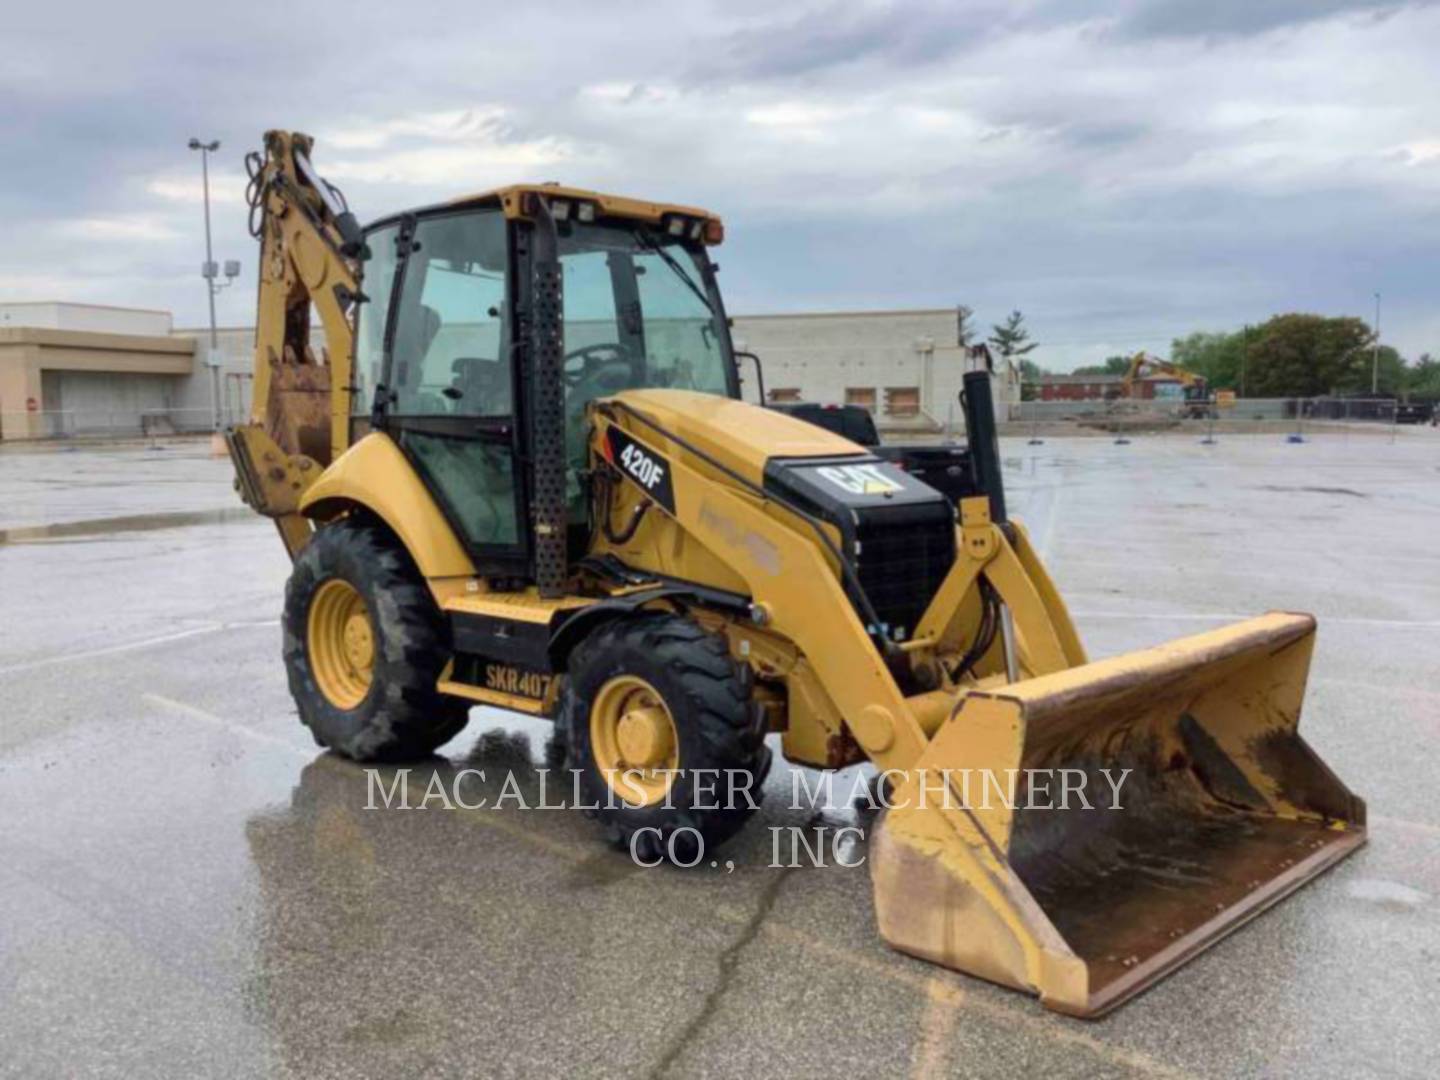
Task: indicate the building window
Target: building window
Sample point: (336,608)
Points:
(785,393)
(902,401)
(864,396)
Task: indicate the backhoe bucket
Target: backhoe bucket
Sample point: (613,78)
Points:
(1160,799)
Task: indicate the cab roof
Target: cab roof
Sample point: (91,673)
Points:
(512,202)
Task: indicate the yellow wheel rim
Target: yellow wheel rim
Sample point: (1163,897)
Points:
(634,740)
(341,643)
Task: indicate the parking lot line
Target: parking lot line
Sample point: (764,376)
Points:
(132,646)
(917,977)
(227,725)
(936,1025)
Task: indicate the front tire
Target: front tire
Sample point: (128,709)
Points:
(364,645)
(652,695)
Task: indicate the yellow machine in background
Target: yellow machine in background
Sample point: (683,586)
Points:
(521,475)
(1197,402)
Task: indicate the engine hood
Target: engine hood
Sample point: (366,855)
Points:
(741,436)
(896,532)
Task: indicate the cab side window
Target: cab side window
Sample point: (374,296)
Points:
(450,351)
(449,372)
(378,284)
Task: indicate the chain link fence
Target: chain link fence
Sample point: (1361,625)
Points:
(104,423)
(1295,418)
(1300,418)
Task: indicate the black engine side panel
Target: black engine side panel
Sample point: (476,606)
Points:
(898,533)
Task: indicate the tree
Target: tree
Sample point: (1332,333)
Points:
(1220,358)
(1299,355)
(1422,378)
(1113,365)
(1394,374)
(964,328)
(1011,338)
(1030,374)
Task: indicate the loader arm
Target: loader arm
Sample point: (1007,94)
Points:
(310,251)
(798,585)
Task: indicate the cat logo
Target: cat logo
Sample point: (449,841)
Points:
(860,479)
(517,681)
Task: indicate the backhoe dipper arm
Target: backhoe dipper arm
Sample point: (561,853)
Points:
(310,252)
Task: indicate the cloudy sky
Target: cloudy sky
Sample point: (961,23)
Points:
(1122,172)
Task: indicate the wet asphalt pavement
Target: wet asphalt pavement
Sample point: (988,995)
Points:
(188,887)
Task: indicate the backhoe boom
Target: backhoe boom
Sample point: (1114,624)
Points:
(300,407)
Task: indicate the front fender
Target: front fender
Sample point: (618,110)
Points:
(374,475)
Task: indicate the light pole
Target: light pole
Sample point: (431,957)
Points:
(1244,358)
(210,272)
(1375,358)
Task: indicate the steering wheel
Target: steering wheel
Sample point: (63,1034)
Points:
(589,360)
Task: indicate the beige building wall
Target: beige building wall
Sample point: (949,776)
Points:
(236,346)
(99,318)
(905,365)
(37,363)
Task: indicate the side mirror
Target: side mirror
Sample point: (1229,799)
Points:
(759,372)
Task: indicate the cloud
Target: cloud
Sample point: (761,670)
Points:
(226,189)
(497,163)
(843,35)
(125,227)
(452,125)
(1421,152)
(1227,18)
(1123,171)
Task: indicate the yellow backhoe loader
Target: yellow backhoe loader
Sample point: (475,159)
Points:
(520,474)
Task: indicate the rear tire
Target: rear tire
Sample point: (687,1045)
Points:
(667,665)
(356,579)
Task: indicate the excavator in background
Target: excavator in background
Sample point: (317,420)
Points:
(1197,402)
(520,475)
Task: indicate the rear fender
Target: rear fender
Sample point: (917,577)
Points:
(374,475)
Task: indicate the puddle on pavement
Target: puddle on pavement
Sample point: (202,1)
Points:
(1388,894)
(1317,490)
(71,530)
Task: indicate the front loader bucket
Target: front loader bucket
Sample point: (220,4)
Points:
(1090,899)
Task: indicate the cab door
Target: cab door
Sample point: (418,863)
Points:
(447,393)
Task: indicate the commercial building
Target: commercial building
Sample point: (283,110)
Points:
(1102,387)
(904,366)
(83,368)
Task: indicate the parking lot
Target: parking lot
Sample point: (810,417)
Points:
(188,886)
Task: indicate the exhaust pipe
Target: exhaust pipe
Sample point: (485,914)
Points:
(978,403)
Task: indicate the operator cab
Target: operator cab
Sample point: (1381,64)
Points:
(443,344)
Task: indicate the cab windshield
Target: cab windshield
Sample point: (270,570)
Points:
(640,312)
